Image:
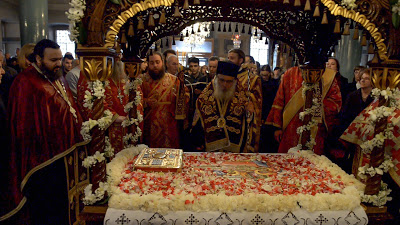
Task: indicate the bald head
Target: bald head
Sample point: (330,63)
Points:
(172,64)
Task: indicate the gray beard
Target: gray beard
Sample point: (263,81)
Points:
(224,96)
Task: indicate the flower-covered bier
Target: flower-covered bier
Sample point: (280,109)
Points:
(235,182)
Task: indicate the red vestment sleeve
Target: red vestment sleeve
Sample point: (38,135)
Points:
(332,105)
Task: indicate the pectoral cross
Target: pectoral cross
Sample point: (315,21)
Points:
(120,96)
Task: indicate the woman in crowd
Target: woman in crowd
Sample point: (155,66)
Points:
(277,73)
(356,102)
(204,70)
(25,58)
(355,85)
(333,64)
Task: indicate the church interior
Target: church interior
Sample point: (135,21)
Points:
(200,112)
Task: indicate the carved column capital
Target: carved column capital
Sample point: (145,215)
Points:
(311,74)
(385,74)
(96,62)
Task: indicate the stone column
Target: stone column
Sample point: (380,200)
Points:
(33,17)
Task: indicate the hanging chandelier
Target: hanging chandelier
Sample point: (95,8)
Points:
(198,33)
(236,40)
(257,35)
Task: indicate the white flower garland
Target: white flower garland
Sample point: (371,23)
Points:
(92,160)
(349,4)
(90,197)
(103,122)
(133,85)
(392,95)
(372,171)
(134,138)
(306,127)
(389,94)
(379,199)
(307,87)
(75,14)
(396,8)
(108,150)
(96,91)
(313,122)
(129,121)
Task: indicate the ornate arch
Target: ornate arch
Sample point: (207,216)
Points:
(280,25)
(123,18)
(335,9)
(338,10)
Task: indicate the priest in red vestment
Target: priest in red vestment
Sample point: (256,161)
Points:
(45,126)
(115,101)
(288,103)
(160,91)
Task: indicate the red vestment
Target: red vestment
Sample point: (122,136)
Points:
(291,82)
(42,128)
(160,126)
(116,105)
(113,103)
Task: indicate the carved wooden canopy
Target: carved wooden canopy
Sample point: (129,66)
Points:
(291,24)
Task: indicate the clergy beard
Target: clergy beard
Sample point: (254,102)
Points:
(52,73)
(221,95)
(158,74)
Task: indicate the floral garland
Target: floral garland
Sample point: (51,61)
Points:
(372,171)
(103,122)
(379,199)
(129,137)
(396,8)
(382,112)
(90,197)
(97,88)
(108,150)
(75,15)
(98,92)
(314,108)
(92,160)
(391,95)
(349,4)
